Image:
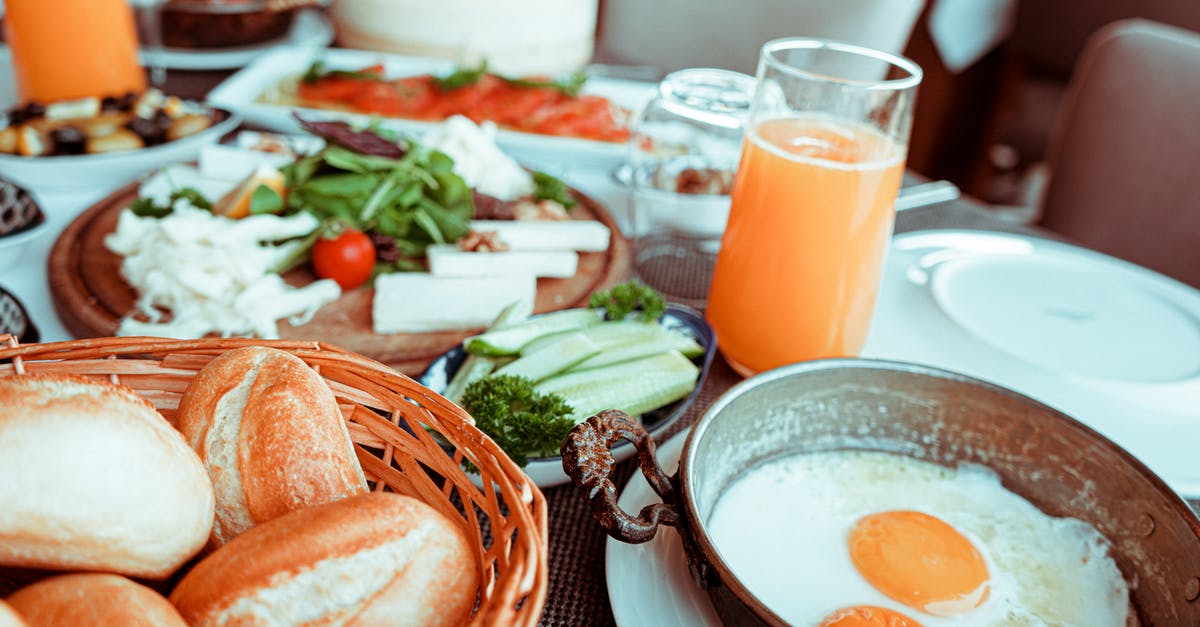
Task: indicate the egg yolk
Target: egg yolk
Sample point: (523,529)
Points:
(920,561)
(868,616)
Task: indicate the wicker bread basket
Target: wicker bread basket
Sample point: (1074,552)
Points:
(390,418)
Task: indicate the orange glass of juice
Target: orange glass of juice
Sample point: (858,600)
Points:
(812,203)
(66,49)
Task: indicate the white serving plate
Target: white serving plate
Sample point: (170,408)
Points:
(311,29)
(649,584)
(1112,344)
(111,170)
(241,93)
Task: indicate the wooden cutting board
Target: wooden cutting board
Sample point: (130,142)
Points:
(91,297)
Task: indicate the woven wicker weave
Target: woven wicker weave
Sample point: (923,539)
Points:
(506,517)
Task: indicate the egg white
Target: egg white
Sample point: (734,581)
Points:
(782,528)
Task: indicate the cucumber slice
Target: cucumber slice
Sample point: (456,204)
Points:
(634,387)
(552,358)
(614,333)
(510,340)
(516,312)
(475,367)
(637,348)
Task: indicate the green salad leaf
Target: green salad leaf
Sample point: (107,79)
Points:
(417,199)
(547,187)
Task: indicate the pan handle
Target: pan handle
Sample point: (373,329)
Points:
(587,460)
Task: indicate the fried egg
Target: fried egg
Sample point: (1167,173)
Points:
(864,538)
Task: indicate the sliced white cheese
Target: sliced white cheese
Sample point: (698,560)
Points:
(581,235)
(417,302)
(235,164)
(448,260)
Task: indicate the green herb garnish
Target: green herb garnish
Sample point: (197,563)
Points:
(521,420)
(147,208)
(462,76)
(317,71)
(629,297)
(570,85)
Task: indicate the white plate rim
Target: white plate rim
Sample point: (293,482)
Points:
(34,172)
(1158,437)
(667,592)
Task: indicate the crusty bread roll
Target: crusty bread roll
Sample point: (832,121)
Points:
(9,617)
(269,431)
(373,559)
(93,478)
(93,600)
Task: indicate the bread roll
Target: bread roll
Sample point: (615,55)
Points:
(93,478)
(9,617)
(373,559)
(270,434)
(93,600)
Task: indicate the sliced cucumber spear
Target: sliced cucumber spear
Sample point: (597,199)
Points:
(642,347)
(475,367)
(510,340)
(552,358)
(614,333)
(634,387)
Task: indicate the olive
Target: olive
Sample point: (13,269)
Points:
(127,101)
(68,140)
(35,110)
(150,132)
(110,103)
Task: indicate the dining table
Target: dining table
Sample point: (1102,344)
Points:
(577,592)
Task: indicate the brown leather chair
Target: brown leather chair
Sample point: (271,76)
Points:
(1125,157)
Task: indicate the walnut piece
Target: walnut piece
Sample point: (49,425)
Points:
(539,210)
(482,242)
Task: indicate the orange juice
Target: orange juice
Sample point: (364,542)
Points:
(804,246)
(64,49)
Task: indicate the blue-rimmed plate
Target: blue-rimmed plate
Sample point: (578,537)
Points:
(547,471)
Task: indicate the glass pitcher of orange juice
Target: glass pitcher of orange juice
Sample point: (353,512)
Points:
(812,203)
(66,49)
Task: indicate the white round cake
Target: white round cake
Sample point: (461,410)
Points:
(521,37)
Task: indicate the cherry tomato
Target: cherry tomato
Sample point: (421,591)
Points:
(348,258)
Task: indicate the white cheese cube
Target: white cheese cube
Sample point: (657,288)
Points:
(73,109)
(417,302)
(448,260)
(581,235)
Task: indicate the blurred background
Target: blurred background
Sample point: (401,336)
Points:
(996,71)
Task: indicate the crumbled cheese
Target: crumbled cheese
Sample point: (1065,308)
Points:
(478,160)
(213,274)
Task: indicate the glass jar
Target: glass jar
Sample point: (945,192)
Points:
(683,153)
